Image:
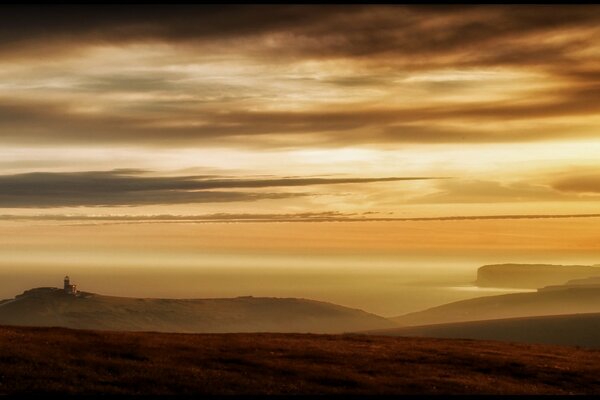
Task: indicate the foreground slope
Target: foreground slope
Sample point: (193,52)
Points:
(574,330)
(52,307)
(58,360)
(572,300)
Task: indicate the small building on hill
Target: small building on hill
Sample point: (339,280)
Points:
(70,289)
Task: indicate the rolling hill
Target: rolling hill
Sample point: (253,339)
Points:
(53,307)
(570,300)
(64,361)
(589,283)
(573,330)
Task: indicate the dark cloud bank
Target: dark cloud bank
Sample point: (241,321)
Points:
(52,122)
(315,30)
(387,38)
(136,187)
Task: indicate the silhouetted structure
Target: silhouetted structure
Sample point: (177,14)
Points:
(70,289)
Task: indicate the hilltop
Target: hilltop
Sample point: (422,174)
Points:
(64,361)
(55,307)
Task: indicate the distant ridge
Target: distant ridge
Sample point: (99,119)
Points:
(589,283)
(571,300)
(55,307)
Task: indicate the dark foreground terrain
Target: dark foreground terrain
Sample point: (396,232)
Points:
(570,330)
(52,360)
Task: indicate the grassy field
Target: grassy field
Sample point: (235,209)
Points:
(569,330)
(51,360)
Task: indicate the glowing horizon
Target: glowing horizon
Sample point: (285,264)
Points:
(413,131)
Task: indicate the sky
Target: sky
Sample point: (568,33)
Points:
(299,129)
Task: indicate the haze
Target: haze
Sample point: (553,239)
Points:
(361,155)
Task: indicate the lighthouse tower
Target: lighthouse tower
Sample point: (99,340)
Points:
(70,289)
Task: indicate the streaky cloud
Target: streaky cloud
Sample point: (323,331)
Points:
(125,187)
(56,123)
(328,216)
(585,183)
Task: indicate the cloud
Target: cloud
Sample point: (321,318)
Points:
(251,76)
(584,184)
(149,82)
(484,191)
(355,31)
(327,216)
(180,124)
(138,187)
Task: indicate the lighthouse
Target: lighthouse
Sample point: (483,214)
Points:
(69,289)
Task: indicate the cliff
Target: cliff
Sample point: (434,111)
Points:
(532,276)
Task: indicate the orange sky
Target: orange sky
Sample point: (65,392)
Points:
(382,267)
(549,235)
(146,107)
(299,113)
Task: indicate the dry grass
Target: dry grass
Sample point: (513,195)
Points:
(51,360)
